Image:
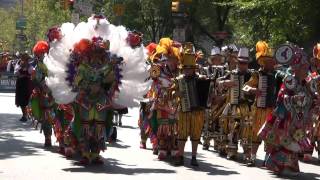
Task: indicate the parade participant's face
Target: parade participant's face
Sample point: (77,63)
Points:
(95,88)
(40,57)
(172,63)
(216,60)
(97,57)
(232,58)
(270,64)
(24,62)
(189,71)
(301,71)
(316,63)
(243,66)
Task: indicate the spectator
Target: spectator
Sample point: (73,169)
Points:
(23,71)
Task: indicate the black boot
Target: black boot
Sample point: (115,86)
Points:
(23,119)
(47,142)
(194,161)
(205,147)
(179,161)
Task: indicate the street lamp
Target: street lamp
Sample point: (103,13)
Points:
(119,9)
(180,14)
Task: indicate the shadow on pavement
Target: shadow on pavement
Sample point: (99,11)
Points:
(302,175)
(10,122)
(210,169)
(14,148)
(10,144)
(118,145)
(127,127)
(113,166)
(313,161)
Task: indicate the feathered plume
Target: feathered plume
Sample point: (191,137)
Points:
(133,69)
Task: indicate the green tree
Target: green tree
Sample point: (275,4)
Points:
(41,15)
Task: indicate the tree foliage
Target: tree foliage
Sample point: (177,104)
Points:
(275,21)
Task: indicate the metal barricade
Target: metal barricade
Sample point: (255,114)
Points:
(7,82)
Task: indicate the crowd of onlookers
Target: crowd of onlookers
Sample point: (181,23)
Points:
(8,61)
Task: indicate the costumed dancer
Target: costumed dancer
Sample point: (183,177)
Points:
(315,131)
(23,70)
(237,111)
(144,123)
(41,101)
(192,94)
(85,68)
(163,71)
(230,53)
(263,85)
(285,129)
(147,116)
(213,71)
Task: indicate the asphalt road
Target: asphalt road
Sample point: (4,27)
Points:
(22,156)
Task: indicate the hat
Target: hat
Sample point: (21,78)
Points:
(264,54)
(215,51)
(41,47)
(299,58)
(230,48)
(151,48)
(243,55)
(165,47)
(25,56)
(233,48)
(188,59)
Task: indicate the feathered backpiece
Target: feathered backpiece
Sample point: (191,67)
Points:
(120,65)
(41,48)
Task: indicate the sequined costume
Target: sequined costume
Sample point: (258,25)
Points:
(264,84)
(236,113)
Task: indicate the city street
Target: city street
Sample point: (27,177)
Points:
(22,156)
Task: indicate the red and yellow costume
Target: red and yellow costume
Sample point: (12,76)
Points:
(263,82)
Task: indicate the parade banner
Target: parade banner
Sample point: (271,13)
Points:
(7,82)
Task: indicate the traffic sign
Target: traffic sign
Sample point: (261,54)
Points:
(83,7)
(21,37)
(7,82)
(221,35)
(119,9)
(21,23)
(179,34)
(75,18)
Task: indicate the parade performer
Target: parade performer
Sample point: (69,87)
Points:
(23,70)
(285,129)
(213,71)
(163,71)
(41,100)
(63,116)
(147,117)
(230,52)
(97,67)
(193,94)
(237,111)
(315,131)
(145,125)
(263,85)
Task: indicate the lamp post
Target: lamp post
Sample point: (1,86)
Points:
(118,9)
(180,15)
